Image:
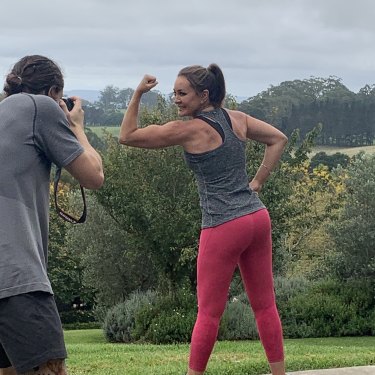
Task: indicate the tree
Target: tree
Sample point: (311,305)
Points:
(64,265)
(93,115)
(347,119)
(354,232)
(152,197)
(276,103)
(124,96)
(108,97)
(331,161)
(318,196)
(114,264)
(148,213)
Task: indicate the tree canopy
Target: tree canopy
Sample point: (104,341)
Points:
(346,118)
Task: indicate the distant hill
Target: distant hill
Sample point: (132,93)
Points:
(89,95)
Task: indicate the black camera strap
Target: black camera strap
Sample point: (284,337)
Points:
(59,211)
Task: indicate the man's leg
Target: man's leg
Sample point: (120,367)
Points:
(8,371)
(31,335)
(53,367)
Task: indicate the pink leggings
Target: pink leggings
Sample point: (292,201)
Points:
(246,242)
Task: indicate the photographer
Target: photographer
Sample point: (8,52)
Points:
(36,130)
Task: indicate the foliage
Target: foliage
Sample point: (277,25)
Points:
(113,98)
(277,193)
(146,218)
(230,102)
(161,112)
(331,308)
(152,317)
(64,267)
(301,204)
(171,328)
(155,207)
(288,288)
(95,141)
(331,161)
(119,322)
(112,267)
(169,320)
(109,109)
(238,322)
(308,309)
(276,103)
(307,241)
(347,119)
(354,233)
(143,229)
(77,316)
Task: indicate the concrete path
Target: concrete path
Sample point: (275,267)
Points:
(361,370)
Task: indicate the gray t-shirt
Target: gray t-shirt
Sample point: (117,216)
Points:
(34,132)
(223,184)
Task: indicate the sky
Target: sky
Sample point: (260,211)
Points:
(257,43)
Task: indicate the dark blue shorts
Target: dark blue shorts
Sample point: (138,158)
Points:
(30,331)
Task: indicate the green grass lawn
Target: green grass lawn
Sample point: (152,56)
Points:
(89,353)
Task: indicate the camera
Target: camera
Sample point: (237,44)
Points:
(69,103)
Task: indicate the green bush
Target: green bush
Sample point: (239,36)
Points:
(331,308)
(120,320)
(286,288)
(308,309)
(152,317)
(169,320)
(331,161)
(171,327)
(238,322)
(320,309)
(319,314)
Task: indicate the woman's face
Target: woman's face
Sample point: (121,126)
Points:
(189,103)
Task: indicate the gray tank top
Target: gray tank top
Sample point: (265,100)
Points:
(223,184)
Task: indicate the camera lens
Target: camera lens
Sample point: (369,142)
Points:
(69,103)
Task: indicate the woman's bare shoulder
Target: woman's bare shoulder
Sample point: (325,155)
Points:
(236,114)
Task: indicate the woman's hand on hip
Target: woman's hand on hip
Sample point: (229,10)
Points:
(255,186)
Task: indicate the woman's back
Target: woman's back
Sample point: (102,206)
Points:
(221,174)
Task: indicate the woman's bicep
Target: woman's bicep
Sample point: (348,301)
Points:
(154,136)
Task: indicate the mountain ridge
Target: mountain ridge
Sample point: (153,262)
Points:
(89,95)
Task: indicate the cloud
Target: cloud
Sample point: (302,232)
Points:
(257,43)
